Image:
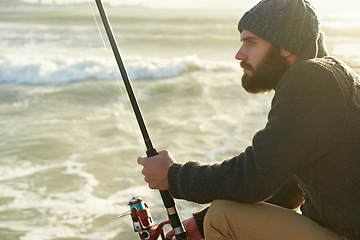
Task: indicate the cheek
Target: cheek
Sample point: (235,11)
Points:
(256,57)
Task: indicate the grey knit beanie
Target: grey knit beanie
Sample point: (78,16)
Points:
(288,24)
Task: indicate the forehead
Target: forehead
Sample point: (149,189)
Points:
(245,34)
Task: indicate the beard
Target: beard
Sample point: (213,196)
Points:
(267,75)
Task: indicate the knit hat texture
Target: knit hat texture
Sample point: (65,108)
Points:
(288,24)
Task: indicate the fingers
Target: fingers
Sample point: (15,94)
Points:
(163,154)
(141,160)
(152,175)
(145,171)
(155,169)
(150,183)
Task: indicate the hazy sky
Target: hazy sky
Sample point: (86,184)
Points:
(346,5)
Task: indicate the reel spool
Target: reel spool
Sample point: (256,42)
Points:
(143,222)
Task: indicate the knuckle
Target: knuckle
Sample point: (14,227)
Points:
(142,160)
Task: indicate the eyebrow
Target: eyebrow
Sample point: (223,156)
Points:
(248,38)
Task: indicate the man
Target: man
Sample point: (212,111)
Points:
(310,145)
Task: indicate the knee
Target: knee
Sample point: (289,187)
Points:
(218,207)
(219,220)
(218,212)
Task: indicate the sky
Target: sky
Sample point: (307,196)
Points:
(346,5)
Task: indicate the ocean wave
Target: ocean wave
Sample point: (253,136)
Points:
(62,69)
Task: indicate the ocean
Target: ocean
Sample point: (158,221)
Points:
(69,139)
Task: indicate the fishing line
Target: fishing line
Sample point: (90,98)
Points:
(116,74)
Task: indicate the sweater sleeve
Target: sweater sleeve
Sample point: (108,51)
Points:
(306,121)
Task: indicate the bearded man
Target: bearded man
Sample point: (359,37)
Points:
(308,153)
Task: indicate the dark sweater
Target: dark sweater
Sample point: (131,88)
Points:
(312,136)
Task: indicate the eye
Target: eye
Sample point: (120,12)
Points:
(251,42)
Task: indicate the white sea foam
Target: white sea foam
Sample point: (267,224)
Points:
(45,70)
(67,214)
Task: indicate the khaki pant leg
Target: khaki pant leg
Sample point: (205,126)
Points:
(261,221)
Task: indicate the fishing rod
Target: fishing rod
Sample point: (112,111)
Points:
(168,200)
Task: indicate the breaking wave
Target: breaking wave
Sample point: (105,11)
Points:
(62,70)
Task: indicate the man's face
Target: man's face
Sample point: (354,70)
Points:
(262,62)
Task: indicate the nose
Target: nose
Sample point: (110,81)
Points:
(240,55)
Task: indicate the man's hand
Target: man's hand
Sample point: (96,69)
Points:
(155,169)
(191,229)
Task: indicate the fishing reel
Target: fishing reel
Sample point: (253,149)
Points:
(143,222)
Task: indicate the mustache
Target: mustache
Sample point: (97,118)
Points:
(246,65)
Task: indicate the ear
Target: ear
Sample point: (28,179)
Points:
(285,53)
(291,57)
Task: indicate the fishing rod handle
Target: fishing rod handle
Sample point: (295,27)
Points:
(174,218)
(151,152)
(170,206)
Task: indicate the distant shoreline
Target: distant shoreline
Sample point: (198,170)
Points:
(19,3)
